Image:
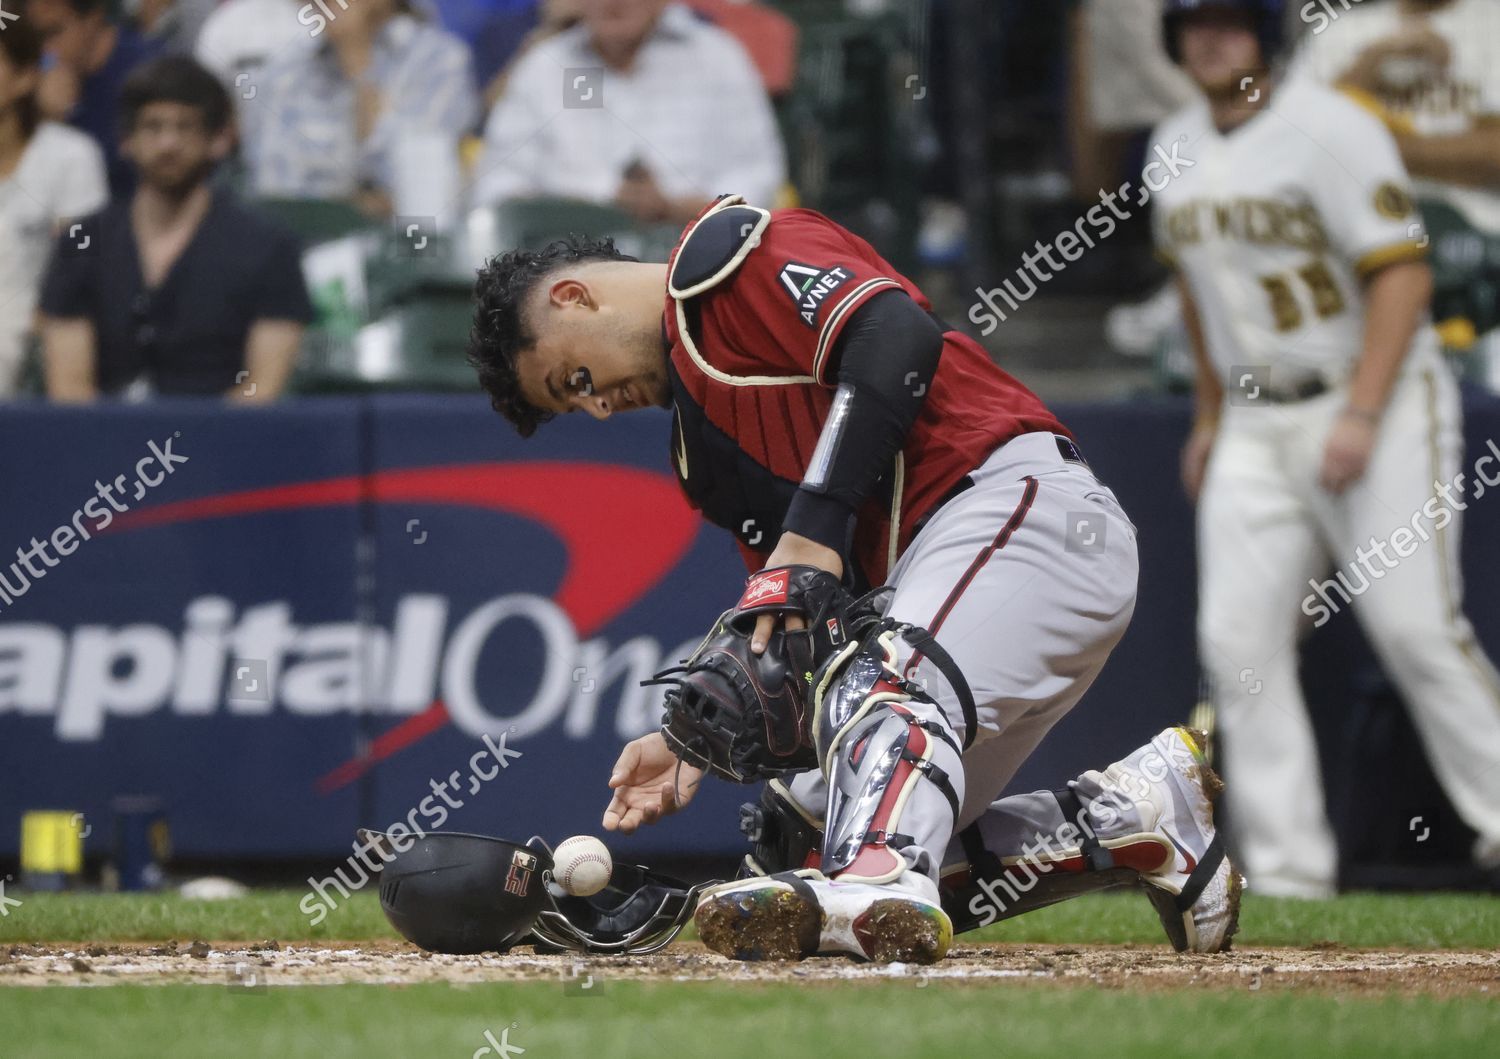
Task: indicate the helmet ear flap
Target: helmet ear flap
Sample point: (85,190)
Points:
(462,894)
(639,912)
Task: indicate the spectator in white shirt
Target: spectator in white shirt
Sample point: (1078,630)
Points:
(335,120)
(49,174)
(642,105)
(241,36)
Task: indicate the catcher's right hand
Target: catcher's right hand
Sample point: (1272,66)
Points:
(745,715)
(649,783)
(793,550)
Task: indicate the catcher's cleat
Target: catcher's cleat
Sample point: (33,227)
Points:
(794,915)
(1197,893)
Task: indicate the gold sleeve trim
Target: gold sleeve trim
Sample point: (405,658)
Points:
(1385,256)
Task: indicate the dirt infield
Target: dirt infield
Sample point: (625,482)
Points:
(270,964)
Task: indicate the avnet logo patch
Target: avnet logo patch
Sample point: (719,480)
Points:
(810,287)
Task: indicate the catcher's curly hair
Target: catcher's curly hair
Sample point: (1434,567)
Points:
(501,330)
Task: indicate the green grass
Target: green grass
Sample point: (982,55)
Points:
(1417,921)
(1363,920)
(160,917)
(663,1021)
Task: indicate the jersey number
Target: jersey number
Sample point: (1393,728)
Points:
(1327,299)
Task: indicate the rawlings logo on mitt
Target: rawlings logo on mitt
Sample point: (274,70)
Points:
(745,716)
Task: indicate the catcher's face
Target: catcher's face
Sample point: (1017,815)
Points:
(592,356)
(1219,49)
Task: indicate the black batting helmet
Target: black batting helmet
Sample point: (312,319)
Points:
(1268,16)
(465,894)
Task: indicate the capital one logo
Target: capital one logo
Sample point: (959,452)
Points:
(253,658)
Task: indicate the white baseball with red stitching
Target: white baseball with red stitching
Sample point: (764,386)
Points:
(582,865)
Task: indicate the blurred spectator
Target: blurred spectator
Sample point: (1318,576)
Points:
(769,38)
(1129,84)
(1125,85)
(643,105)
(90,57)
(465,19)
(49,174)
(243,36)
(173,24)
(1431,70)
(500,43)
(333,121)
(178,289)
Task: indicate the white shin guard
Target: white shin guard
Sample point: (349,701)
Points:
(894,773)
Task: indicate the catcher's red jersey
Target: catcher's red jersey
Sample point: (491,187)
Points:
(752,344)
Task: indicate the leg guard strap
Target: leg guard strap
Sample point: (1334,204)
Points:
(937,776)
(799,884)
(924,643)
(1095,856)
(942,733)
(1202,874)
(987,899)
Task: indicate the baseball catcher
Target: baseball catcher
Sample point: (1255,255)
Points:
(851,440)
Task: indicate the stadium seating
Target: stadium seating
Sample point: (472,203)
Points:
(394,309)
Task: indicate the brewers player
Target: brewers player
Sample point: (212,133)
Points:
(825,416)
(1327,433)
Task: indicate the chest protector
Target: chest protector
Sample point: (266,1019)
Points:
(742,439)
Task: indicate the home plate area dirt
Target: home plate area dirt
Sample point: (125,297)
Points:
(269,964)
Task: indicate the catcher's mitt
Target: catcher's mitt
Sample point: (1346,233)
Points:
(744,716)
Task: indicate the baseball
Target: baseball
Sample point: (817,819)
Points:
(581,865)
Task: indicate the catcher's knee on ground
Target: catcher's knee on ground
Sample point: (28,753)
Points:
(894,772)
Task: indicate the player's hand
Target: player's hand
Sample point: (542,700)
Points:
(1195,454)
(648,784)
(793,550)
(1347,452)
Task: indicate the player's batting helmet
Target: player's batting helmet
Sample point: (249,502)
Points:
(463,893)
(1268,16)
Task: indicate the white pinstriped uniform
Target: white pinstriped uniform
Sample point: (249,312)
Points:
(1274,229)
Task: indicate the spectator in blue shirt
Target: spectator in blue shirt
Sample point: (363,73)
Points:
(329,120)
(90,56)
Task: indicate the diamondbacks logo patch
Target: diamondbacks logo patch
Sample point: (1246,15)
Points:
(518,879)
(810,286)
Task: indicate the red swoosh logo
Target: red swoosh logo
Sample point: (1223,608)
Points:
(599,511)
(1192,861)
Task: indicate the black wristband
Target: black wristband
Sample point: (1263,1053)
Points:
(822,518)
